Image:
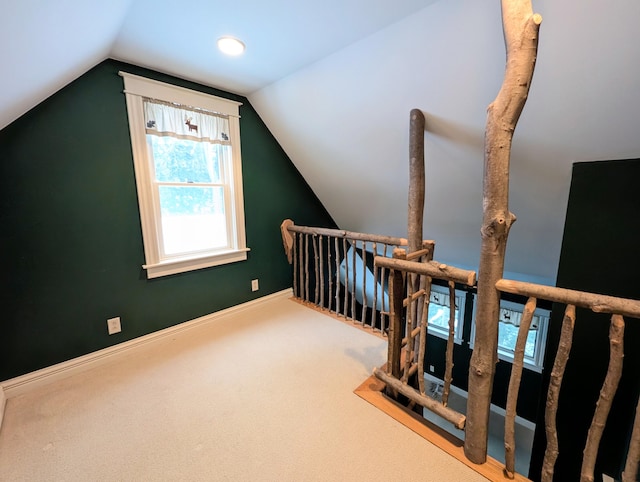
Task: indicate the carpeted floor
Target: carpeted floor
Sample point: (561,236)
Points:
(265,394)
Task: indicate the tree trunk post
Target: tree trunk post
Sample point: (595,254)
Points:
(416,180)
(521,28)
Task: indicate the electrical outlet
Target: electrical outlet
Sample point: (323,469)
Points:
(254,285)
(113,325)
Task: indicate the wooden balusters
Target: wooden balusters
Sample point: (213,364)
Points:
(557,372)
(294,252)
(316,263)
(424,320)
(448,372)
(514,388)
(374,302)
(329,274)
(605,400)
(384,316)
(396,297)
(354,274)
(630,473)
(346,277)
(363,315)
(337,250)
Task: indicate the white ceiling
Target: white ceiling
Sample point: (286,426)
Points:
(335,81)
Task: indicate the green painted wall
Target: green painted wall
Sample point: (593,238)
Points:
(70,241)
(599,254)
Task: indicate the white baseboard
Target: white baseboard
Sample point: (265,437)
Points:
(22,384)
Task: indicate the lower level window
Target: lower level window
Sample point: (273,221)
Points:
(440,305)
(508,327)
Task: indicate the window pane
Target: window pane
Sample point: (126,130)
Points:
(193,218)
(508,335)
(180,160)
(439,316)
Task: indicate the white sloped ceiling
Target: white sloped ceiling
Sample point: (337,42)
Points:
(335,81)
(45,44)
(344,121)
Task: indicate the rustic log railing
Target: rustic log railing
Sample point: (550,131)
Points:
(326,259)
(330,271)
(617,308)
(408,328)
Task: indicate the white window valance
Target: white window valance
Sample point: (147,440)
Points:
(441,299)
(166,119)
(515,317)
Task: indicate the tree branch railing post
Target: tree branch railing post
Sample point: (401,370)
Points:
(617,307)
(396,297)
(514,388)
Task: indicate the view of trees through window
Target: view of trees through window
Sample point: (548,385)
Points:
(508,335)
(188,177)
(438,319)
(439,316)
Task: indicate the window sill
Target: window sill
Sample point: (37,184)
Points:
(508,357)
(445,336)
(528,364)
(181,265)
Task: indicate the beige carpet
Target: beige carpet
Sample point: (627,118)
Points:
(261,395)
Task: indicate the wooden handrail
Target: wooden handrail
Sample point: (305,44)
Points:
(430,268)
(595,302)
(339,233)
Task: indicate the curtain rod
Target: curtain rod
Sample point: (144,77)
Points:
(184,106)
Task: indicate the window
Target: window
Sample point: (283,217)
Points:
(509,324)
(186,150)
(438,321)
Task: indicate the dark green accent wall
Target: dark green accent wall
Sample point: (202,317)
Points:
(599,254)
(71,244)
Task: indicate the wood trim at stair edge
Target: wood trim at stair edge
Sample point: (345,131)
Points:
(372,390)
(357,324)
(3,404)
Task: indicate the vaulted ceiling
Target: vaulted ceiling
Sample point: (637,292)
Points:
(335,80)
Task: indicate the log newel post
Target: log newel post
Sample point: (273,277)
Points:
(415,213)
(287,239)
(416,180)
(521,28)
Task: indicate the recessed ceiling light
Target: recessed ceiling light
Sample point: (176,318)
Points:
(230,45)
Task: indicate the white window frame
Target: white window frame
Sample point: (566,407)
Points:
(135,89)
(460,301)
(536,362)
